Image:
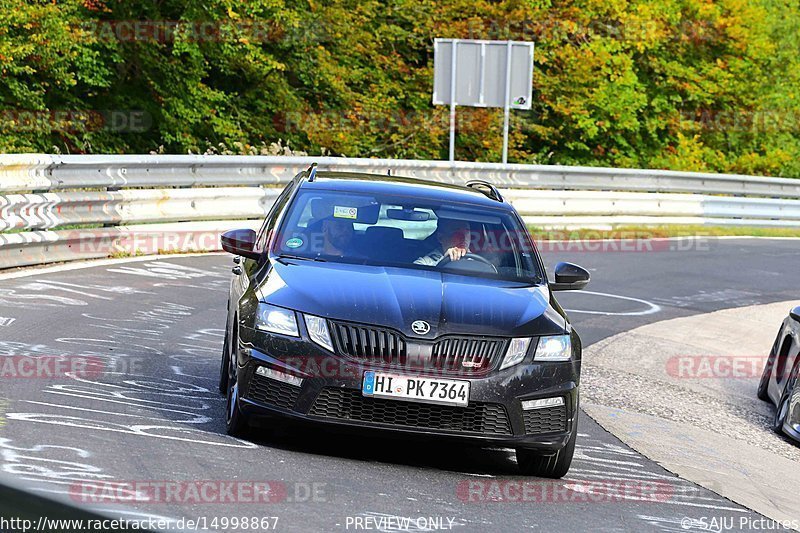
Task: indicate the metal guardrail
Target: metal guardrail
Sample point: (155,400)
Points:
(41,195)
(134,206)
(42,247)
(52,172)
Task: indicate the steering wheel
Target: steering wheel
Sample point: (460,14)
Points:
(445,260)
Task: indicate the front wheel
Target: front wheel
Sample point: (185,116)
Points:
(763,384)
(223,367)
(236,422)
(550,465)
(783,405)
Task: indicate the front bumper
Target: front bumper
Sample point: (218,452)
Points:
(330,394)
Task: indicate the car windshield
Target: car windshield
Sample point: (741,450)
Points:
(407,232)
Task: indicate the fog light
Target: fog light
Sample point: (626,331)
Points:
(279,376)
(527,405)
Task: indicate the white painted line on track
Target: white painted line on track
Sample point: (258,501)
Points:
(179,372)
(137,430)
(36,271)
(651,307)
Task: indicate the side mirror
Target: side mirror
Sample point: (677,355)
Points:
(570,277)
(795,313)
(240,242)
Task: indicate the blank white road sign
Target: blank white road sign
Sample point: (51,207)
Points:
(481,73)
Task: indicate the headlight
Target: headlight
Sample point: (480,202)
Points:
(276,320)
(318,331)
(555,348)
(516,352)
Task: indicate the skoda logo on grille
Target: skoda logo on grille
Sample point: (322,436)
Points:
(420,327)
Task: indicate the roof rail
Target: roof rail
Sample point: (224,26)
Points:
(486,188)
(312,172)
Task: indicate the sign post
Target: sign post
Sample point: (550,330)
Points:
(479,73)
(454,70)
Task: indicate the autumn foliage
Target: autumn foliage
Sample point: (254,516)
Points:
(710,85)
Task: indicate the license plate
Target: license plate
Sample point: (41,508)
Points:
(416,389)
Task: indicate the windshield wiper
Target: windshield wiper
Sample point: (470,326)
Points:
(301,258)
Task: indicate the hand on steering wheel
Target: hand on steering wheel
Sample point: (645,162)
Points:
(465,256)
(455,253)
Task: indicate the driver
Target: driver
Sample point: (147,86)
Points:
(452,237)
(337,236)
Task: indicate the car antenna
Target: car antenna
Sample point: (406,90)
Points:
(312,172)
(486,188)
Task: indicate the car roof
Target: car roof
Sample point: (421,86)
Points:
(382,184)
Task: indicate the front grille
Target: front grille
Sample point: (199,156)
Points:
(546,420)
(348,404)
(385,347)
(370,343)
(272,392)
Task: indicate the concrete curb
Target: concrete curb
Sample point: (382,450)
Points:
(747,475)
(707,427)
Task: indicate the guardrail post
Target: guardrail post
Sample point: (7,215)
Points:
(111,224)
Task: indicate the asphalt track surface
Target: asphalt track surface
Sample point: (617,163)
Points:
(155,414)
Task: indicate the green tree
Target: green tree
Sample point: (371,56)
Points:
(684,84)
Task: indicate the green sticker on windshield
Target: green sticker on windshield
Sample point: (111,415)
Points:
(294,243)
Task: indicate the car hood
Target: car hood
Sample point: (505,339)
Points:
(396,297)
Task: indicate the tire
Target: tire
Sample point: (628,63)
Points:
(223,367)
(236,423)
(783,405)
(553,465)
(763,384)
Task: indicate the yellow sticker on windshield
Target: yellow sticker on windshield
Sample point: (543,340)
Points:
(345,212)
